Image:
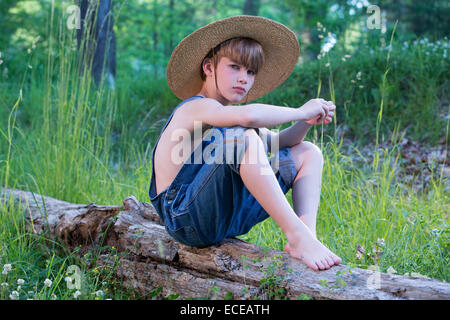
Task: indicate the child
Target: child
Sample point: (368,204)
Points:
(233,61)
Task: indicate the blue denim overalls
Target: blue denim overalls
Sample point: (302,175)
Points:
(208,202)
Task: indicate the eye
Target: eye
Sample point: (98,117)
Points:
(251,72)
(234,65)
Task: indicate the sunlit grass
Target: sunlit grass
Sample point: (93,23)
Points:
(365,205)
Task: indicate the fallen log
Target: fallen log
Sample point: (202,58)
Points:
(231,269)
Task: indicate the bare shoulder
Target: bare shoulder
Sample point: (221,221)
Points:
(202,103)
(188,112)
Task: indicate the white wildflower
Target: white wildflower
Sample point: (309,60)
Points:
(358,75)
(14,295)
(380,242)
(20,281)
(77,294)
(5,284)
(6,268)
(347,56)
(327,64)
(99,293)
(343,59)
(320,36)
(33,45)
(54,297)
(48,283)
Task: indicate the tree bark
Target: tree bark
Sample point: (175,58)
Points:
(232,268)
(97,44)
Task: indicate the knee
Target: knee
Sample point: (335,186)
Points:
(237,141)
(243,135)
(313,150)
(309,151)
(251,134)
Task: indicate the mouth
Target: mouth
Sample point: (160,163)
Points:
(239,89)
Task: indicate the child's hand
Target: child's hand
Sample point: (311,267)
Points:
(318,111)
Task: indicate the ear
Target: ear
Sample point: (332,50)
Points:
(207,66)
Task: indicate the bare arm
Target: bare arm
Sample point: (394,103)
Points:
(266,115)
(288,137)
(212,112)
(294,134)
(255,115)
(263,115)
(315,111)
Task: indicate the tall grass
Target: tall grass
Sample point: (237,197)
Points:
(369,207)
(64,153)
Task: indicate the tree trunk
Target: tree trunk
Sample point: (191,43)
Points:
(232,268)
(155,34)
(251,7)
(97,44)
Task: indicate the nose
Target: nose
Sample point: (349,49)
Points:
(243,76)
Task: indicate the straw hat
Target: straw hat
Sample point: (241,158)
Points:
(280,46)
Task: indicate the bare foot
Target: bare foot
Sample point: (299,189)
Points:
(312,252)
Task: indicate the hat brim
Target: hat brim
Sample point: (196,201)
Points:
(280,46)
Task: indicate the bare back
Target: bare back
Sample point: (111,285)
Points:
(166,169)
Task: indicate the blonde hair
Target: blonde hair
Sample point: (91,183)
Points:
(244,51)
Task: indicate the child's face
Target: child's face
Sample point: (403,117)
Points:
(231,75)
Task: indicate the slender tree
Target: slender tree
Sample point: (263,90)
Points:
(96,39)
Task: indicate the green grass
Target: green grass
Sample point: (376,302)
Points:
(362,206)
(63,138)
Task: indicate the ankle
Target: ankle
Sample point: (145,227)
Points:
(299,234)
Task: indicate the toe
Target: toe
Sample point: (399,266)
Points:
(326,263)
(330,261)
(311,265)
(320,265)
(336,259)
